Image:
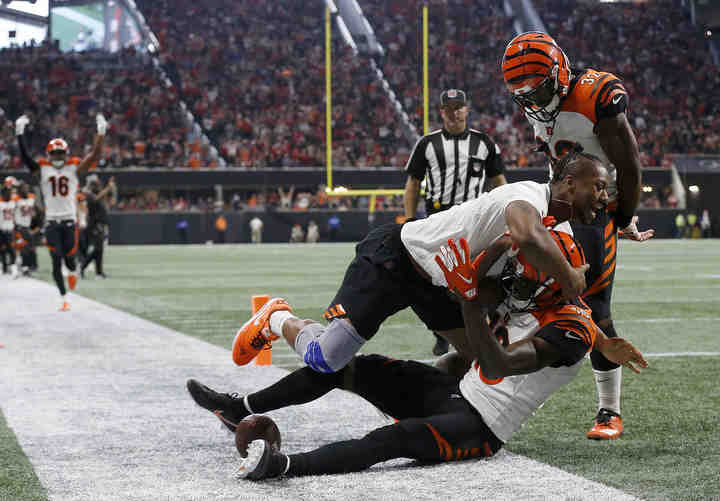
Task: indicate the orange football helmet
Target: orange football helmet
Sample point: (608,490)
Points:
(57,144)
(529,289)
(537,74)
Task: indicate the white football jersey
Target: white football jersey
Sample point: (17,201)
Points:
(7,215)
(481,221)
(59,189)
(591,93)
(506,405)
(24,210)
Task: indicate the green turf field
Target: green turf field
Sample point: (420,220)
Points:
(666,302)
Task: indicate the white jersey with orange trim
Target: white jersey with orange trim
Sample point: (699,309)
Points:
(480,221)
(593,95)
(24,208)
(505,404)
(59,189)
(7,215)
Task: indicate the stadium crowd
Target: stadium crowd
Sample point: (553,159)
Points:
(260,99)
(261,95)
(62,92)
(664,63)
(290,199)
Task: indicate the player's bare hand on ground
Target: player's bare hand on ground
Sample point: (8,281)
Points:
(576,285)
(631,232)
(623,353)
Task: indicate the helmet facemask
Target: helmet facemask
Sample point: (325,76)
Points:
(543,102)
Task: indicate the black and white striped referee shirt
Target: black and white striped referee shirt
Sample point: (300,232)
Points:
(455,166)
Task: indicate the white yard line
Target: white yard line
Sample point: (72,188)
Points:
(97,400)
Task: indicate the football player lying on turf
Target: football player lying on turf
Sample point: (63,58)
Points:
(442,417)
(394,267)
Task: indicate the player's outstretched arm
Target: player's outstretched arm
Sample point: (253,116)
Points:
(497,361)
(20,124)
(96,152)
(620,145)
(620,351)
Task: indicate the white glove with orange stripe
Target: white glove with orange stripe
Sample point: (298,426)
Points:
(460,272)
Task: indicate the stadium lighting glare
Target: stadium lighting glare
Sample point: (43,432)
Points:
(694,189)
(346,34)
(647,189)
(330,4)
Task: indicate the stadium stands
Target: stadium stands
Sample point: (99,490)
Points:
(63,91)
(252,73)
(663,61)
(258,83)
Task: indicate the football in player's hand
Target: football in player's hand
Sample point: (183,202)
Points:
(256,427)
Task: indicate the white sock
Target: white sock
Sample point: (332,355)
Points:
(608,387)
(277,319)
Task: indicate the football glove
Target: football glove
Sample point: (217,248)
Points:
(460,273)
(20,125)
(102,124)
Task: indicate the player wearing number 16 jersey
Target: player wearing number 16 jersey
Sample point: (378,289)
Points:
(59,182)
(587,112)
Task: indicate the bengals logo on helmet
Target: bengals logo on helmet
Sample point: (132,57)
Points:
(537,74)
(57,144)
(529,289)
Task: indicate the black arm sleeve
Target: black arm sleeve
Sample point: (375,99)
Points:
(570,340)
(494,165)
(27,159)
(417,163)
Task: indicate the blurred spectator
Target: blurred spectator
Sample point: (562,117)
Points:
(256,227)
(297,235)
(334,227)
(706,224)
(313,232)
(182,228)
(60,90)
(680,225)
(221,226)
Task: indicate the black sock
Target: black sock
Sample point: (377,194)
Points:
(57,273)
(599,362)
(299,387)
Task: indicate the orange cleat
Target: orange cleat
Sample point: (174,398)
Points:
(65,306)
(255,333)
(72,282)
(608,425)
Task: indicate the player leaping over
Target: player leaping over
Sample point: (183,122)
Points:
(58,176)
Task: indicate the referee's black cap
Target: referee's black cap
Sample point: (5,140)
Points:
(452,96)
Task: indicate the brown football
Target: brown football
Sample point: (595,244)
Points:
(256,427)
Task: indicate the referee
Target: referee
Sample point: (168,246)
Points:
(455,161)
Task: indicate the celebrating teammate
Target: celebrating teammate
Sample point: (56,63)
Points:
(7,230)
(59,183)
(586,110)
(441,417)
(395,267)
(24,212)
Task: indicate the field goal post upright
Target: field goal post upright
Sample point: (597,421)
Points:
(331,190)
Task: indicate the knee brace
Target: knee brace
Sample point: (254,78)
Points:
(328,349)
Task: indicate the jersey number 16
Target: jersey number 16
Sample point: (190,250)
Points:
(60,186)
